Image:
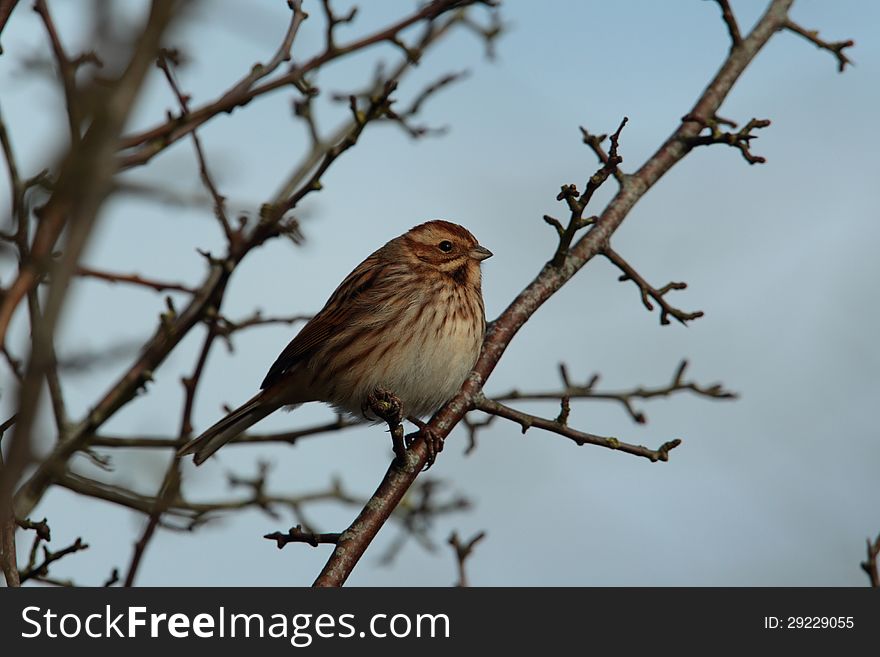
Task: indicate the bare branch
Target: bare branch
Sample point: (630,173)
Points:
(836,48)
(289,437)
(648,292)
(624,397)
(6,7)
(134,279)
(527,421)
(462,552)
(730,21)
(164,62)
(870,565)
(577,204)
(298,535)
(741,139)
(147,144)
(402,472)
(42,569)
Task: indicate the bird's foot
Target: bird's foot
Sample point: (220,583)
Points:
(433,440)
(387,406)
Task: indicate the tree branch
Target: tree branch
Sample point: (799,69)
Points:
(836,48)
(870,565)
(588,390)
(648,292)
(402,472)
(527,421)
(462,552)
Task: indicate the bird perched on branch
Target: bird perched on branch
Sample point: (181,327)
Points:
(409,319)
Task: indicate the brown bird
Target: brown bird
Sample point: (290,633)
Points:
(409,319)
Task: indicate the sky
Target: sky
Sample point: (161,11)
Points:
(778,488)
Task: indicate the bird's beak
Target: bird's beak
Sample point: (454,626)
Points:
(480,253)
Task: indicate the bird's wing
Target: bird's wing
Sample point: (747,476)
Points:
(335,314)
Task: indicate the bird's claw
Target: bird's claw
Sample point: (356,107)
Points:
(433,440)
(387,406)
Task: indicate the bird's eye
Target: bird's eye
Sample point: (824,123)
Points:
(445,246)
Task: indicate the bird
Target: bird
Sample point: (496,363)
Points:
(408,320)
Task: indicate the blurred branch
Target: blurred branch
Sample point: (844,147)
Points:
(170,488)
(290,437)
(164,62)
(226,327)
(41,570)
(870,565)
(6,7)
(462,552)
(730,21)
(134,279)
(415,515)
(83,183)
(66,71)
(836,48)
(8,527)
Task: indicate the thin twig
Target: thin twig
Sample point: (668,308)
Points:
(527,421)
(649,292)
(298,535)
(730,21)
(49,557)
(462,552)
(871,565)
(836,48)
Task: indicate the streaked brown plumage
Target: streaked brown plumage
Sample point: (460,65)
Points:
(408,319)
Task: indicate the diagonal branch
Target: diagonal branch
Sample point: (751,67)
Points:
(164,62)
(649,292)
(730,21)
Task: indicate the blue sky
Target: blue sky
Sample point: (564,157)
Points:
(777,488)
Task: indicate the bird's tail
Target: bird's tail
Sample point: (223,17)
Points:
(229,427)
